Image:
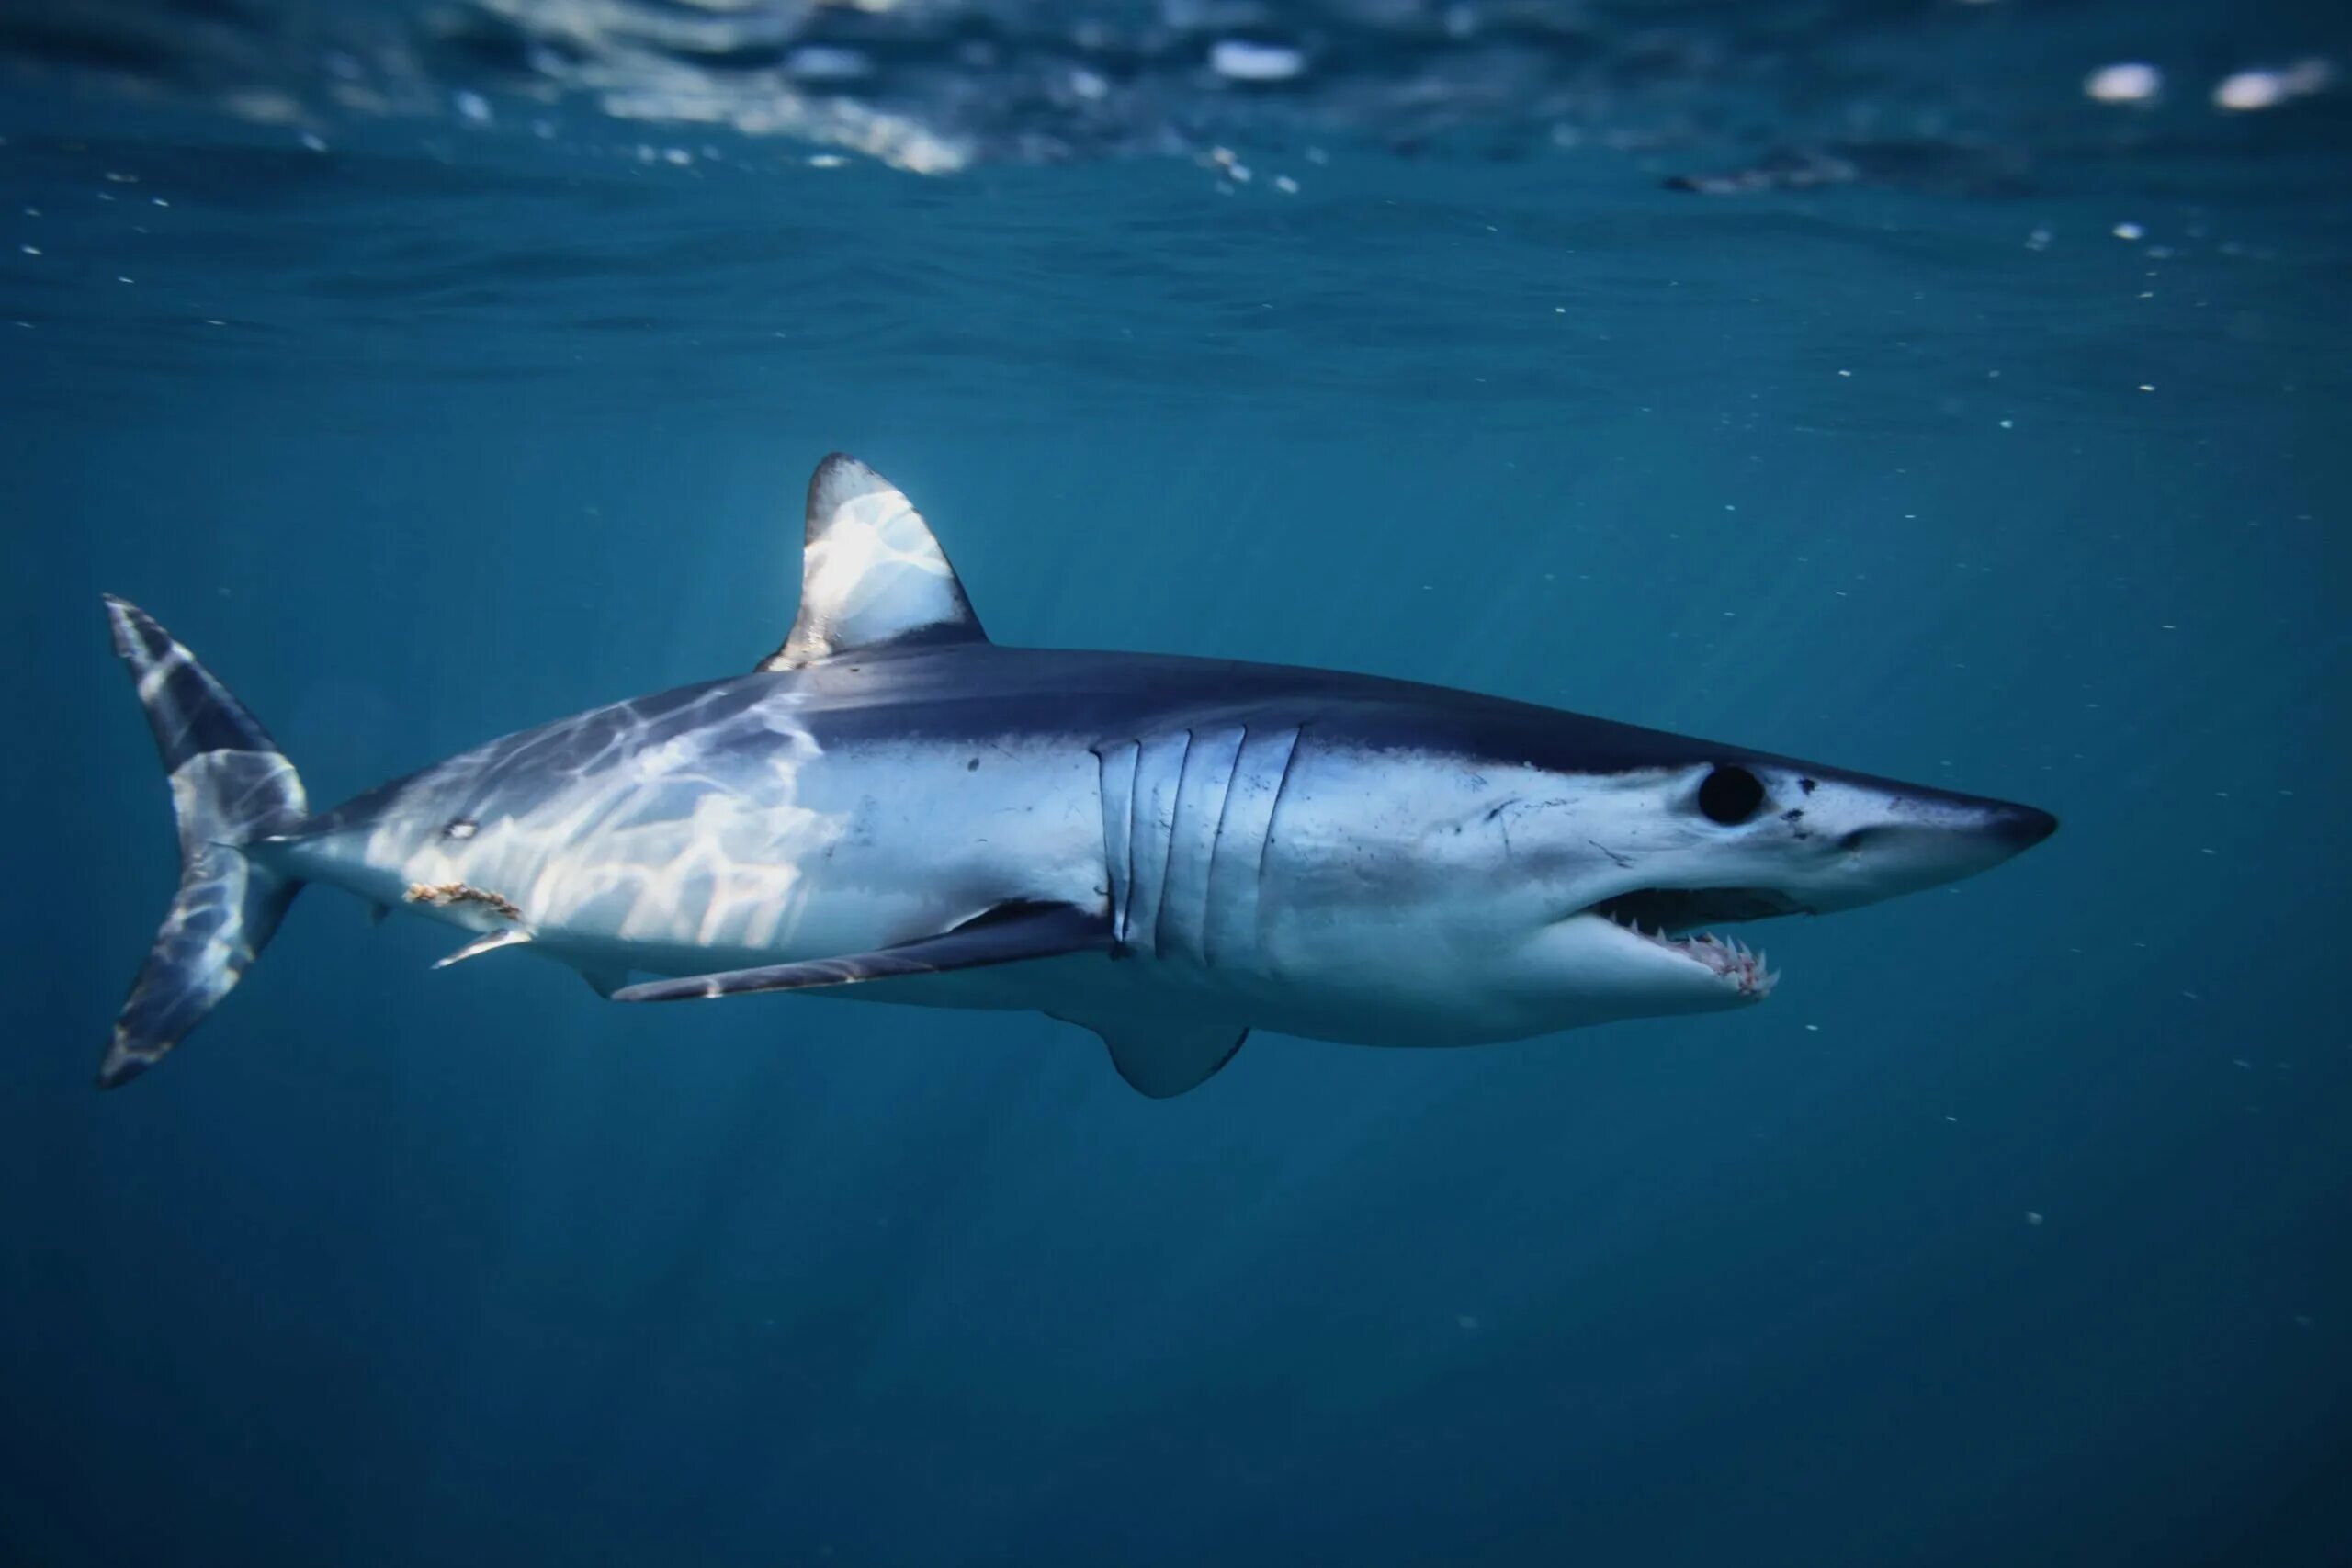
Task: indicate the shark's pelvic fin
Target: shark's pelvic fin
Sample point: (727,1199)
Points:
(1165,1058)
(871,575)
(489,941)
(604,982)
(1006,934)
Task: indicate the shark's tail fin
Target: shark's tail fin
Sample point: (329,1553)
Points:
(230,786)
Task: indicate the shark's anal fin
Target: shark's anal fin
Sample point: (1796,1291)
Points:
(871,574)
(490,942)
(1006,934)
(1166,1057)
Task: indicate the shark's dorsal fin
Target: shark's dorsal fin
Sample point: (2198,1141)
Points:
(871,575)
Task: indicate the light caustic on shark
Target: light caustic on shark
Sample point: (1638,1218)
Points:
(1169,851)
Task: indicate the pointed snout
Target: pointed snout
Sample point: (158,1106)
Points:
(2019,828)
(1952,845)
(1891,839)
(1950,835)
(1981,834)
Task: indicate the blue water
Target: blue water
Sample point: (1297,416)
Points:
(2013,1228)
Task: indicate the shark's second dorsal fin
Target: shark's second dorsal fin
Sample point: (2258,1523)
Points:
(871,574)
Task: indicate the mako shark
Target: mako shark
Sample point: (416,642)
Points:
(1169,851)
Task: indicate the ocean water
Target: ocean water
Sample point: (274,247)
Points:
(1884,384)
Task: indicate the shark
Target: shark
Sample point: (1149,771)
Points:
(1169,851)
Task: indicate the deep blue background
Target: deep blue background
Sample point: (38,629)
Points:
(390,1267)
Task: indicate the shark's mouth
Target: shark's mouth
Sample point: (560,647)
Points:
(1668,918)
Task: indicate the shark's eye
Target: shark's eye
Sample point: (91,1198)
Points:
(1730,796)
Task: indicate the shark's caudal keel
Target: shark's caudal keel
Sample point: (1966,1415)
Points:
(1169,851)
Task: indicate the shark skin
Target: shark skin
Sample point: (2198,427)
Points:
(1171,852)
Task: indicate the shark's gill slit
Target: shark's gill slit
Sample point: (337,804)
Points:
(1236,782)
(1164,830)
(1205,787)
(1281,789)
(1115,781)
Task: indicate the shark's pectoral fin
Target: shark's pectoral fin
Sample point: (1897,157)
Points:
(1166,1057)
(871,574)
(1009,933)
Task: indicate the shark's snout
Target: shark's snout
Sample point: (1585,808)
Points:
(2019,828)
(1948,844)
(1893,839)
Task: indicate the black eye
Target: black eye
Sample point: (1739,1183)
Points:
(1730,796)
